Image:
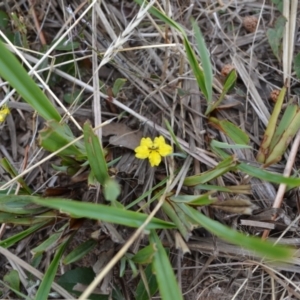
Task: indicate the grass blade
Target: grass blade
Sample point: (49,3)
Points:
(163,270)
(257,245)
(12,71)
(102,212)
(45,286)
(205,60)
(95,154)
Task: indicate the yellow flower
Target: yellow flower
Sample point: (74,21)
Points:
(153,150)
(4,111)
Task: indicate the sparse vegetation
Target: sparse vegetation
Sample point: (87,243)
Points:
(140,155)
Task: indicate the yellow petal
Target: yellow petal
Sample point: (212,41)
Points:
(141,152)
(154,158)
(147,142)
(159,141)
(165,150)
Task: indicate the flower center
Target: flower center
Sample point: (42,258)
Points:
(153,148)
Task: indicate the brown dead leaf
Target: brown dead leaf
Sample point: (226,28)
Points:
(122,135)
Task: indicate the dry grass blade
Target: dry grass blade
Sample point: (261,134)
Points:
(146,70)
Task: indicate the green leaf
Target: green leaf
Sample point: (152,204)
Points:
(228,85)
(165,277)
(297,65)
(102,212)
(49,242)
(95,154)
(6,165)
(21,235)
(270,130)
(178,219)
(268,176)
(255,244)
(152,286)
(222,145)
(205,60)
(19,204)
(191,56)
(13,280)
(45,286)
(145,255)
(231,130)
(79,275)
(55,136)
(80,251)
(74,97)
(12,71)
(279,4)
(223,167)
(111,189)
(199,200)
(275,35)
(66,45)
(118,85)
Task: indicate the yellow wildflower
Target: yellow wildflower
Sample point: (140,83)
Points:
(153,150)
(4,111)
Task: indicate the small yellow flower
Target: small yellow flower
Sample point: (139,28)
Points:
(153,150)
(4,111)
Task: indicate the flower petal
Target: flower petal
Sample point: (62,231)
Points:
(147,142)
(154,158)
(165,150)
(142,152)
(159,141)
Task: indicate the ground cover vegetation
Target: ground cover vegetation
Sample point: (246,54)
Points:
(149,149)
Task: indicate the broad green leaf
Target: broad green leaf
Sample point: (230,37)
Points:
(255,244)
(199,200)
(145,255)
(222,145)
(95,154)
(13,280)
(55,136)
(275,35)
(81,275)
(49,242)
(231,130)
(279,4)
(27,220)
(152,286)
(80,251)
(45,286)
(167,283)
(118,85)
(12,71)
(297,65)
(111,189)
(19,204)
(223,167)
(268,176)
(102,212)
